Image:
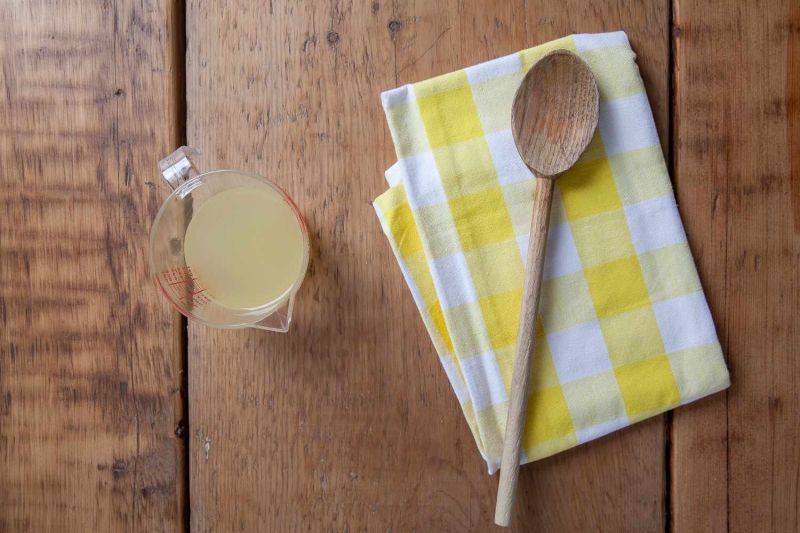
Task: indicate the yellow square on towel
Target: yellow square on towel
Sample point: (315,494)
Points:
(402,222)
(588,189)
(617,287)
(501,314)
(495,267)
(490,207)
(547,417)
(624,348)
(466,167)
(450,117)
(609,228)
(647,386)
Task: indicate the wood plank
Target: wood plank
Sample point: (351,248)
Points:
(699,488)
(736,458)
(348,422)
(90,354)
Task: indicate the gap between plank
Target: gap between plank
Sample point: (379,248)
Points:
(672,33)
(178,24)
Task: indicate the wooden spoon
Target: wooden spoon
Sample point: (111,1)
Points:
(553,119)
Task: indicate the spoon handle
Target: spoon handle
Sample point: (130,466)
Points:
(515,424)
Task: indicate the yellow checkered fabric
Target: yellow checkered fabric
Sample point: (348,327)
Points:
(624,332)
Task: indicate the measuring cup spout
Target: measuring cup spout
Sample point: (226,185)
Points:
(279,320)
(179,166)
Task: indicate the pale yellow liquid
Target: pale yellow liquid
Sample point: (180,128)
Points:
(245,247)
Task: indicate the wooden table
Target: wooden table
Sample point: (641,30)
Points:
(116,416)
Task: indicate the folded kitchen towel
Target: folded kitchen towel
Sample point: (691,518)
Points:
(624,331)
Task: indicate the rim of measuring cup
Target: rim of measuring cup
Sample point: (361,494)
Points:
(273,306)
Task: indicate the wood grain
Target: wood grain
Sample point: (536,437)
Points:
(348,422)
(736,458)
(89,353)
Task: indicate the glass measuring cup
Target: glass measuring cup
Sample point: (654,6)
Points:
(182,283)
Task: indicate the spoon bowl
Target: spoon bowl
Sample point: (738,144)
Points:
(555,113)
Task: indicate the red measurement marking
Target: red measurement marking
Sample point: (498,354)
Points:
(184,281)
(192,294)
(200,300)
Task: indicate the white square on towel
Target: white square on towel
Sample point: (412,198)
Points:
(685,322)
(452,280)
(456,381)
(494,69)
(627,124)
(655,223)
(579,352)
(562,256)
(507,161)
(484,381)
(422,180)
(590,41)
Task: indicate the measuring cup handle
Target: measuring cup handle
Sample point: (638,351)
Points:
(179,166)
